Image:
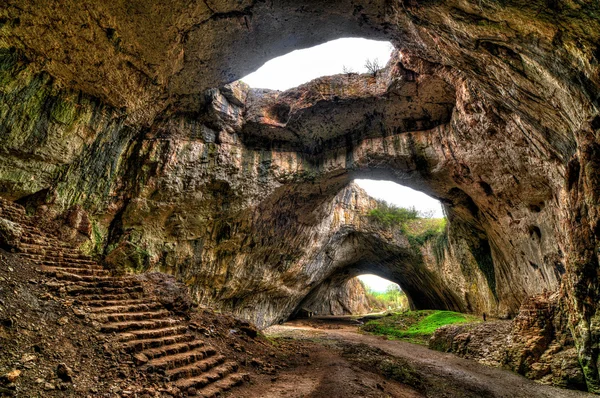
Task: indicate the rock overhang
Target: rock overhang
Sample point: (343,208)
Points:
(518,154)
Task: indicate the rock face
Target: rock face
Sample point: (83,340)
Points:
(126,109)
(535,344)
(347,299)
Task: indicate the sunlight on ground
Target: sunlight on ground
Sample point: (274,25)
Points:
(402,196)
(376,283)
(302,66)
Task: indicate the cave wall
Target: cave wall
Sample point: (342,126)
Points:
(114,107)
(346,299)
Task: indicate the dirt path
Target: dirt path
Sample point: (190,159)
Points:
(328,373)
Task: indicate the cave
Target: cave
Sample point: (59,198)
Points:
(124,129)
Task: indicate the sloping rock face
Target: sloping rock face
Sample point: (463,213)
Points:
(490,107)
(534,344)
(347,299)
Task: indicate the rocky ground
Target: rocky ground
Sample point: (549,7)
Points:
(48,349)
(534,344)
(427,372)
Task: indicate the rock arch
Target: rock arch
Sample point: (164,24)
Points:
(107,107)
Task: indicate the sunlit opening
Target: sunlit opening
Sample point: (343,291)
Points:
(376,283)
(331,58)
(383,295)
(402,196)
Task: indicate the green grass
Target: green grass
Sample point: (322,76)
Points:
(415,326)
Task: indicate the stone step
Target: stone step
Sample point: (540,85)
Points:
(217,388)
(100,303)
(11,208)
(207,377)
(44,256)
(68,264)
(140,345)
(128,326)
(69,277)
(41,240)
(151,333)
(76,289)
(178,360)
(113,282)
(57,271)
(105,296)
(172,349)
(196,368)
(138,307)
(129,316)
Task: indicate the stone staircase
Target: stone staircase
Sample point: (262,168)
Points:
(158,341)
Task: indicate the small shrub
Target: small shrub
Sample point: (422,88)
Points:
(391,215)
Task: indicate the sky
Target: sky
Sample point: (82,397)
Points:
(376,283)
(302,66)
(401,196)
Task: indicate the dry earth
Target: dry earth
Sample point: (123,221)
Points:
(430,373)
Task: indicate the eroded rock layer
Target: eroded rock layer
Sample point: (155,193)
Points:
(347,299)
(490,107)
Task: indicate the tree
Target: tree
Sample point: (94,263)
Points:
(373,66)
(347,70)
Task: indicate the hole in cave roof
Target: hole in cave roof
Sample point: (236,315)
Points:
(331,58)
(402,196)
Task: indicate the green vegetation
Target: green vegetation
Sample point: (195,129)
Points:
(417,227)
(415,326)
(391,215)
(392,299)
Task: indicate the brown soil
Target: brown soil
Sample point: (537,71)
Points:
(342,360)
(38,332)
(321,357)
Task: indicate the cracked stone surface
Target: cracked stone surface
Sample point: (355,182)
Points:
(129,110)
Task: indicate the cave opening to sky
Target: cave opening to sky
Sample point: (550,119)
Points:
(376,283)
(331,58)
(402,196)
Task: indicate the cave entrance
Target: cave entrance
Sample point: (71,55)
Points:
(346,55)
(380,266)
(382,294)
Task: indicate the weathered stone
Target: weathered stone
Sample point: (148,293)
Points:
(347,299)
(10,233)
(492,108)
(64,372)
(535,344)
(140,359)
(12,376)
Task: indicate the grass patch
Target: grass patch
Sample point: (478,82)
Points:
(421,230)
(415,326)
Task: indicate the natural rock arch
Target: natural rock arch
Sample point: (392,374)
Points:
(516,163)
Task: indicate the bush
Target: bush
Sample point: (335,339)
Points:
(416,226)
(393,298)
(391,215)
